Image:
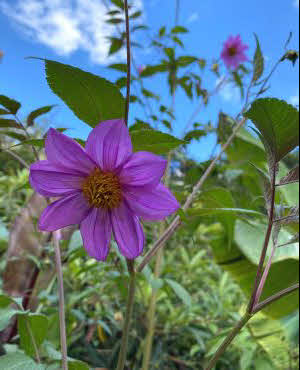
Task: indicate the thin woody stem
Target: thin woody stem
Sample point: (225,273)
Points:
(62,319)
(176,222)
(127,322)
(266,244)
(275,298)
(128,61)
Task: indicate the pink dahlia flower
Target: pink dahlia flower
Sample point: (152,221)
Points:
(233,53)
(105,188)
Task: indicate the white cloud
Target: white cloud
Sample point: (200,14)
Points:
(193,18)
(294,100)
(228,92)
(65,26)
(296,4)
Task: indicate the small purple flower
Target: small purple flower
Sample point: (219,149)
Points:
(106,188)
(233,53)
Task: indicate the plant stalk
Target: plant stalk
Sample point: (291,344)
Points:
(62,319)
(228,341)
(266,244)
(128,61)
(129,311)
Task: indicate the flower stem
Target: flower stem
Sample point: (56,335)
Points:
(129,311)
(228,340)
(259,273)
(62,321)
(128,61)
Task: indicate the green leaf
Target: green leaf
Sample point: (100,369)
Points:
(39,143)
(5,315)
(78,365)
(185,61)
(154,141)
(91,98)
(9,123)
(162,31)
(6,300)
(259,62)
(291,177)
(14,135)
(179,29)
(270,335)
(4,111)
(115,20)
(152,70)
(116,45)
(118,3)
(180,291)
(149,94)
(194,134)
(122,67)
(18,361)
(11,105)
(136,14)
(140,126)
(38,112)
(278,123)
(32,327)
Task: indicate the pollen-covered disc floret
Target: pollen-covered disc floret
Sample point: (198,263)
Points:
(102,189)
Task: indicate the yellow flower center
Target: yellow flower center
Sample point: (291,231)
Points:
(232,51)
(102,189)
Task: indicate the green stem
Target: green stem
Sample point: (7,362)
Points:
(151,314)
(62,318)
(228,341)
(129,311)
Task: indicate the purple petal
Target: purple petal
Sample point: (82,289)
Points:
(153,205)
(65,152)
(143,168)
(109,144)
(128,231)
(96,233)
(69,210)
(51,181)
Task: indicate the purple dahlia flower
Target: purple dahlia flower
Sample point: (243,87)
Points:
(105,188)
(233,53)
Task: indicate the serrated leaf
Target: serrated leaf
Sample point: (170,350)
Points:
(259,62)
(10,104)
(18,361)
(38,112)
(291,177)
(9,123)
(278,123)
(91,98)
(154,141)
(32,327)
(180,291)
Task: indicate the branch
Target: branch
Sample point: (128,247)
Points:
(176,222)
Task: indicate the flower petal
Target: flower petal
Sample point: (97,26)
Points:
(96,231)
(65,152)
(143,168)
(153,205)
(128,231)
(109,144)
(69,210)
(52,181)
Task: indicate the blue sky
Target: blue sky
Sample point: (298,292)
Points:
(73,32)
